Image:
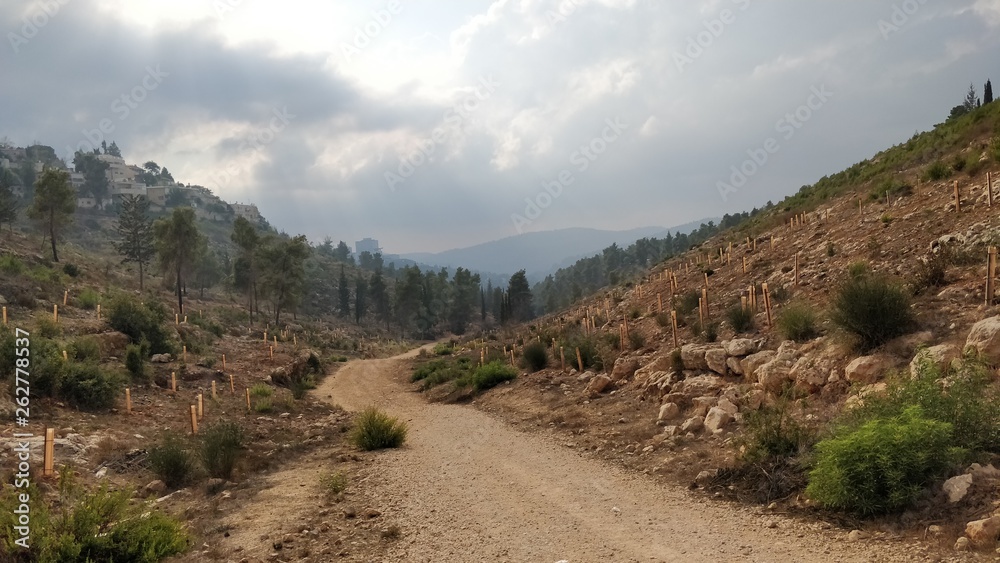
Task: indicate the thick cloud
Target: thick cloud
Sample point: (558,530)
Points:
(641,107)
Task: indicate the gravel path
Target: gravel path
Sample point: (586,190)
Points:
(467,487)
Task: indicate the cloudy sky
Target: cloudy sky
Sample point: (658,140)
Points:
(432,124)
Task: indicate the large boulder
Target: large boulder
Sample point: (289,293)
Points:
(957,487)
(656,365)
(867,369)
(597,385)
(693,356)
(809,374)
(939,357)
(984,339)
(753,362)
(739,346)
(983,532)
(717,419)
(700,386)
(668,411)
(624,368)
(734,365)
(716,360)
(693,424)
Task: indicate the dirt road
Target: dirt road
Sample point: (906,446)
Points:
(467,487)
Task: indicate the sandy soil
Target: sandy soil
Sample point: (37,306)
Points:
(468,487)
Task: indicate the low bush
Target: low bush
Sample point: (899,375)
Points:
(740,318)
(46,327)
(10,264)
(772,432)
(636,340)
(103,525)
(883,465)
(260,390)
(221,448)
(376,430)
(873,310)
(263,405)
(937,171)
(688,303)
(663,320)
(88,387)
(86,349)
(443,349)
(491,375)
(797,322)
(536,357)
(333,482)
(140,322)
(589,352)
(71,270)
(47,367)
(88,299)
(171,463)
(135,361)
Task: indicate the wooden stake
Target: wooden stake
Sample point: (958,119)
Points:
(744,264)
(991,268)
(185,352)
(55,313)
(659,303)
(562,357)
(701,312)
(185,319)
(223,362)
(5,316)
(65,356)
(989,189)
(673,325)
(98,311)
(232,384)
(49,462)
(248,398)
(194,419)
(767,303)
(128,400)
(215,395)
(270,352)
(177,319)
(704,295)
(743,302)
(173,382)
(295,341)
(958,199)
(772,242)
(579,360)
(201,406)
(65,298)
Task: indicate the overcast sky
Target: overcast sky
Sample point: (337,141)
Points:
(428,124)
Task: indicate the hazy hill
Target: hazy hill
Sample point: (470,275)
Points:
(538,253)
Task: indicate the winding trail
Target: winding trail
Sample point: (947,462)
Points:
(467,487)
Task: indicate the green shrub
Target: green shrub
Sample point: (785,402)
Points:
(171,463)
(47,367)
(536,356)
(443,349)
(333,483)
(873,310)
(676,360)
(263,405)
(710,332)
(260,390)
(86,349)
(740,318)
(589,353)
(8,355)
(937,171)
(208,325)
(88,299)
(830,249)
(71,270)
(140,322)
(858,269)
(797,322)
(636,340)
(883,465)
(663,320)
(688,303)
(376,430)
(10,264)
(86,386)
(491,375)
(135,361)
(931,272)
(103,525)
(46,327)
(772,432)
(221,448)
(300,386)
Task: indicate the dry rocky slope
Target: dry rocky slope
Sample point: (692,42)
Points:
(659,417)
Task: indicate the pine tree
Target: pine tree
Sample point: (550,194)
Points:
(360,298)
(345,294)
(519,298)
(179,245)
(245,269)
(53,204)
(987,93)
(380,299)
(135,232)
(284,275)
(8,201)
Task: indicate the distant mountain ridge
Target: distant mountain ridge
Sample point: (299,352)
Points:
(540,253)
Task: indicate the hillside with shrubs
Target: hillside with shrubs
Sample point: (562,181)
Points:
(832,356)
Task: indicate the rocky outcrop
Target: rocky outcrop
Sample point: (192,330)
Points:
(717,419)
(984,339)
(597,385)
(693,356)
(938,357)
(867,369)
(624,368)
(753,362)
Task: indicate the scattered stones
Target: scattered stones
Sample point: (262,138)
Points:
(161,358)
